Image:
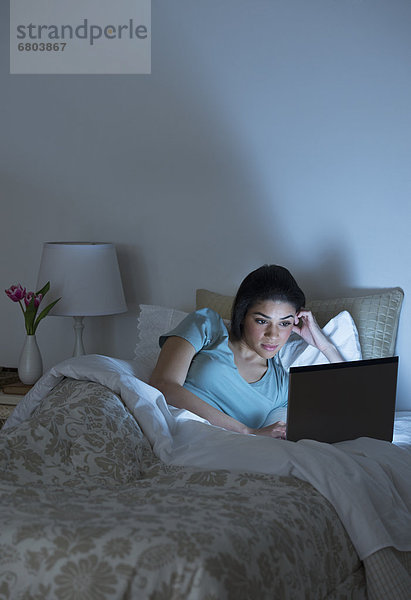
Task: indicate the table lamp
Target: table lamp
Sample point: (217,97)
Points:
(86,276)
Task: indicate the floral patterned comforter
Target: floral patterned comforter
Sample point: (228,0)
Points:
(89,512)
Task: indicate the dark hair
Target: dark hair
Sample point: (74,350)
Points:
(269,282)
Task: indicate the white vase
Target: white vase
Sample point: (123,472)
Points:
(30,367)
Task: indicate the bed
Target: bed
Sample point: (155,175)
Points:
(107,493)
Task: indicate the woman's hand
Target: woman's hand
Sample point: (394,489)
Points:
(276,430)
(307,327)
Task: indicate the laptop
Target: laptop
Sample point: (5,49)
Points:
(342,401)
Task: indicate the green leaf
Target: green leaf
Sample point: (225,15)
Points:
(29,317)
(44,313)
(44,289)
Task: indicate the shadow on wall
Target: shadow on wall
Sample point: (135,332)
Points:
(215,213)
(201,221)
(134,274)
(327,271)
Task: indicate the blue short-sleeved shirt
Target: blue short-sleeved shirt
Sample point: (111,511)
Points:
(214,377)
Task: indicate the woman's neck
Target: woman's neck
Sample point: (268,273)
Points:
(250,365)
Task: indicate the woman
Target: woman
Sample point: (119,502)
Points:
(233,377)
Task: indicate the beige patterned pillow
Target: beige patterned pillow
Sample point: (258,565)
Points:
(376,316)
(152,322)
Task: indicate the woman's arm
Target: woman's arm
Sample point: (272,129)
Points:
(311,333)
(169,376)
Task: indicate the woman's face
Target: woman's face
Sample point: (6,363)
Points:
(267,326)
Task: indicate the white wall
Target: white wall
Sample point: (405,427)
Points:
(268,131)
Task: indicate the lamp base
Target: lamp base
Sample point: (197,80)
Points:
(78,332)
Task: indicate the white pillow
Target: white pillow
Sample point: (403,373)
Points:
(152,322)
(341,330)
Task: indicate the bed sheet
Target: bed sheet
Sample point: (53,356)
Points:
(402,429)
(367,481)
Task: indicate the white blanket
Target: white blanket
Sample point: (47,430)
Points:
(367,481)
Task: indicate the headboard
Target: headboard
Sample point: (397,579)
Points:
(376,316)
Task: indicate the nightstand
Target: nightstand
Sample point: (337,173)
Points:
(8,403)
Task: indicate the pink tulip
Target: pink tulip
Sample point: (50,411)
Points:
(37,299)
(16,293)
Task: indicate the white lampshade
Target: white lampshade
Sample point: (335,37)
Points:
(86,276)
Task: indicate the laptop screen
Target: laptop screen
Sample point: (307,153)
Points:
(342,401)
